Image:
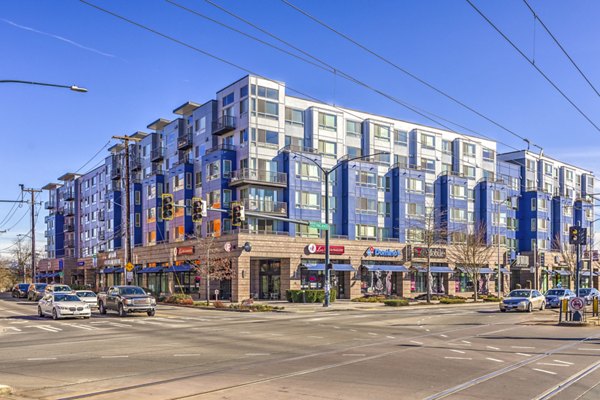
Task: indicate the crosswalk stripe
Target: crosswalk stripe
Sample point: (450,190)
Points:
(46,328)
(89,328)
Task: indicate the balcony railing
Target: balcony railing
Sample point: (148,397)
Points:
(300,149)
(69,244)
(185,141)
(221,147)
(69,194)
(272,207)
(50,205)
(186,159)
(48,233)
(223,125)
(248,176)
(157,170)
(69,227)
(101,235)
(69,210)
(157,154)
(135,162)
(101,215)
(115,172)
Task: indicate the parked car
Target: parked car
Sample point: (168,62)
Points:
(126,299)
(88,297)
(61,305)
(555,296)
(36,291)
(589,294)
(20,290)
(58,288)
(523,300)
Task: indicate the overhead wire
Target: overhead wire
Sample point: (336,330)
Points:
(561,47)
(534,65)
(12,210)
(93,157)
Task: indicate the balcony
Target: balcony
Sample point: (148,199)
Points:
(221,147)
(223,125)
(136,178)
(69,244)
(50,205)
(248,176)
(101,215)
(115,172)
(185,141)
(69,194)
(157,154)
(68,210)
(69,228)
(48,233)
(101,235)
(157,170)
(186,159)
(265,206)
(135,162)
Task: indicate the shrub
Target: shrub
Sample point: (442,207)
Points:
(456,300)
(369,299)
(255,307)
(309,296)
(180,299)
(396,302)
(491,299)
(219,304)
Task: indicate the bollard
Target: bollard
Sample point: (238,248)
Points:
(595,307)
(564,308)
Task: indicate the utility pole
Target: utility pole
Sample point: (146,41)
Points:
(32,192)
(126,139)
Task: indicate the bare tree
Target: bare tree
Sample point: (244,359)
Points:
(568,253)
(8,276)
(21,255)
(471,253)
(211,267)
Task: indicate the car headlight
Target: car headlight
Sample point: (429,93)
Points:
(126,301)
(86,306)
(523,303)
(63,308)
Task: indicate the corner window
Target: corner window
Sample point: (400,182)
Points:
(401,137)
(353,128)
(381,131)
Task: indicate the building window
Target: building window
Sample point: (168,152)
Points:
(226,198)
(488,154)
(243,107)
(353,151)
(428,165)
(542,225)
(366,206)
(548,169)
(458,237)
(199,179)
(533,224)
(459,191)
(446,146)
(415,210)
(365,232)
(401,137)
(427,141)
(214,198)
(414,185)
(327,148)
(244,91)
(307,200)
(294,117)
(265,137)
(499,219)
(458,215)
(327,121)
(137,220)
(414,235)
(468,149)
(400,161)
(468,171)
(307,171)
(138,199)
(353,128)
(265,108)
(384,209)
(305,231)
(382,132)
(542,204)
(228,99)
(569,175)
(265,92)
(364,178)
(531,165)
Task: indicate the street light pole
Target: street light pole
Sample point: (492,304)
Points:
(70,87)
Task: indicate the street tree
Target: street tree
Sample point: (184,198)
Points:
(471,251)
(8,276)
(567,252)
(21,256)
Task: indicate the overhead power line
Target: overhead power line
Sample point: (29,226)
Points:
(560,46)
(533,64)
(93,157)
(12,210)
(408,73)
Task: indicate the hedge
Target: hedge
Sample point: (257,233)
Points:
(396,302)
(180,299)
(457,300)
(309,296)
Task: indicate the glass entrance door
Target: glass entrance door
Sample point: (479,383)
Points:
(270,279)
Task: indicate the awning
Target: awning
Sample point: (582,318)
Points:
(118,270)
(54,275)
(108,270)
(180,268)
(504,271)
(562,272)
(482,270)
(150,270)
(336,267)
(392,268)
(436,270)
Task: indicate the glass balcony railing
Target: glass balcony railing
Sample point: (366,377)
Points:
(247,176)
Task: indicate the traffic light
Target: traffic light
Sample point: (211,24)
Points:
(577,235)
(237,214)
(198,209)
(543,259)
(168,206)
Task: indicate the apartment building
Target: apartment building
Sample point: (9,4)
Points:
(272,152)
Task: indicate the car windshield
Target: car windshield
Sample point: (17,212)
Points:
(62,289)
(555,292)
(132,290)
(584,292)
(24,286)
(86,294)
(40,286)
(66,297)
(520,293)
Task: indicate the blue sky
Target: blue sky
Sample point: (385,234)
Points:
(134,76)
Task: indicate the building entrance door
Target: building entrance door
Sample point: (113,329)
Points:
(339,284)
(270,279)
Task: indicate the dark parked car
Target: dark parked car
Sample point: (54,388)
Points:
(555,296)
(36,291)
(20,290)
(589,294)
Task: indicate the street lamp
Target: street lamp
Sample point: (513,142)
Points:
(70,87)
(326,174)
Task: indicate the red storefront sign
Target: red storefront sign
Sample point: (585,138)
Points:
(320,249)
(185,251)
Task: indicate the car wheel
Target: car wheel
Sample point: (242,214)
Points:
(122,312)
(542,306)
(101,308)
(151,313)
(40,313)
(529,307)
(503,310)
(54,314)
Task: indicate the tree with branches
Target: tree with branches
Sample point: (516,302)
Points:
(471,252)
(8,276)
(568,253)
(21,255)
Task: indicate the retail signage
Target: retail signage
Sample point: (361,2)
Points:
(320,249)
(60,264)
(375,252)
(185,251)
(434,252)
(80,263)
(115,261)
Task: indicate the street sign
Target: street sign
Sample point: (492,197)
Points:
(129,276)
(129,267)
(577,304)
(319,225)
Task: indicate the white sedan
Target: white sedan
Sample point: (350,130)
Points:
(61,305)
(88,297)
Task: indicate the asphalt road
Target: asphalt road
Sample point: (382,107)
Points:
(466,352)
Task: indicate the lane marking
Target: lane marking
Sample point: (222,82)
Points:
(458,358)
(427,330)
(544,371)
(390,337)
(524,354)
(563,362)
(589,349)
(352,330)
(522,347)
(570,381)
(373,334)
(492,347)
(119,325)
(442,335)
(123,356)
(493,359)
(258,354)
(553,364)
(88,328)
(466,341)
(353,355)
(186,355)
(45,328)
(41,358)
(13,328)
(458,351)
(315,337)
(415,342)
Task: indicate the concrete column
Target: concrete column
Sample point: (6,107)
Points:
(285,277)
(406,285)
(240,284)
(450,285)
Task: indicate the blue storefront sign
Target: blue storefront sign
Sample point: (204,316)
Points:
(375,252)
